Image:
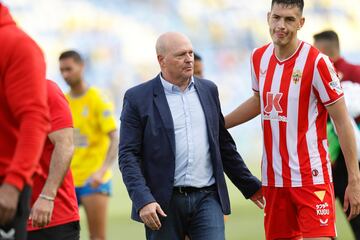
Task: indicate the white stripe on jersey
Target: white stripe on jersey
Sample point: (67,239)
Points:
(292,124)
(312,142)
(262,75)
(277,160)
(319,86)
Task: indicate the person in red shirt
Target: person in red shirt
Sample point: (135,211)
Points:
(54,213)
(295,87)
(24,121)
(328,43)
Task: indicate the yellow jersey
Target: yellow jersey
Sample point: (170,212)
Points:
(93,119)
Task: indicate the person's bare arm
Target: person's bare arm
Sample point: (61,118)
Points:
(340,117)
(60,161)
(96,178)
(245,112)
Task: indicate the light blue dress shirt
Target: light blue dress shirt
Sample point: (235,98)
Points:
(193,165)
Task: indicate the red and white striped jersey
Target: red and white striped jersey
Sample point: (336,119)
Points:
(293,96)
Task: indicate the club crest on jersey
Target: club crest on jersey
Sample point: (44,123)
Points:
(296,76)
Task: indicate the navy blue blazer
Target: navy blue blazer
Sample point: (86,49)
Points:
(147,146)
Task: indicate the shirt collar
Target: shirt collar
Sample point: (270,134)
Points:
(169,87)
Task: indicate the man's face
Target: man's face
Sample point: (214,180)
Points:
(178,61)
(284,22)
(326,47)
(71,71)
(198,69)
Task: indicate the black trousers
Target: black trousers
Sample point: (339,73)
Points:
(340,178)
(16,230)
(68,231)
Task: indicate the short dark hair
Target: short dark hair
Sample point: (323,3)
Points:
(328,35)
(197,57)
(297,3)
(71,54)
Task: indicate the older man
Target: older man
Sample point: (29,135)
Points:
(174,148)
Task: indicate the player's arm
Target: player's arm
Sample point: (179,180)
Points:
(340,116)
(245,112)
(59,166)
(25,91)
(97,177)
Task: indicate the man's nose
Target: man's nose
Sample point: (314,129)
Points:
(189,57)
(281,23)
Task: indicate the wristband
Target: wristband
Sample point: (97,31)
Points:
(43,196)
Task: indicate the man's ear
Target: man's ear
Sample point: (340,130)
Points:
(161,60)
(302,22)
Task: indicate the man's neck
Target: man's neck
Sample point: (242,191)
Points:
(284,52)
(79,89)
(181,83)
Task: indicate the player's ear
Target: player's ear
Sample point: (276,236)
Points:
(302,22)
(268,17)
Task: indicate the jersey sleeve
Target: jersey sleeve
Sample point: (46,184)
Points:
(254,77)
(105,114)
(326,81)
(25,91)
(60,113)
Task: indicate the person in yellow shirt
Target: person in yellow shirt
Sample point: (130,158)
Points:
(95,139)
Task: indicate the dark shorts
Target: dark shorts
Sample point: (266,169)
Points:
(16,230)
(104,188)
(67,231)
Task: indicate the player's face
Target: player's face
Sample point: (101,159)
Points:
(198,69)
(71,71)
(324,47)
(284,22)
(178,63)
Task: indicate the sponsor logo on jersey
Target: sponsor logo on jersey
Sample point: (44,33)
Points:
(335,86)
(315,172)
(320,195)
(9,235)
(324,222)
(263,72)
(273,107)
(85,111)
(296,76)
(273,102)
(107,113)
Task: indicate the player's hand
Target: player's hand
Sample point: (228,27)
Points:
(149,215)
(352,200)
(97,179)
(9,197)
(258,199)
(41,212)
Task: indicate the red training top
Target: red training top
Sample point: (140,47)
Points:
(65,205)
(24,113)
(347,71)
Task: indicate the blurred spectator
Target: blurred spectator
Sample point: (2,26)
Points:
(328,43)
(95,139)
(198,66)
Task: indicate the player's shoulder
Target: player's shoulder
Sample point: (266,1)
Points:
(53,90)
(98,95)
(143,89)
(52,86)
(259,52)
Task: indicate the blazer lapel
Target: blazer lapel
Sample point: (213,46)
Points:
(205,103)
(164,110)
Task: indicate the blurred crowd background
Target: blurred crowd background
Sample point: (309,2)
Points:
(117,39)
